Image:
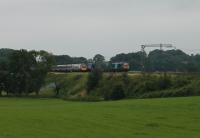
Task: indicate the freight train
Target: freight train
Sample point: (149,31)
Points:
(111,67)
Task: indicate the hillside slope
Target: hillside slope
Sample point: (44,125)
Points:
(72,86)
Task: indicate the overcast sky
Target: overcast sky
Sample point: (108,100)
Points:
(108,27)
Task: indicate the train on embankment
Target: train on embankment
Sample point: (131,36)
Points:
(111,67)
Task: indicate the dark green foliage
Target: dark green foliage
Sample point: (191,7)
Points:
(178,86)
(125,78)
(158,60)
(20,69)
(148,83)
(3,75)
(134,59)
(117,93)
(171,60)
(65,59)
(150,86)
(99,61)
(24,72)
(114,86)
(188,90)
(164,82)
(4,54)
(3,80)
(93,79)
(58,87)
(181,80)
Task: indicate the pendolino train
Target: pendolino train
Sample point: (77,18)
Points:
(111,67)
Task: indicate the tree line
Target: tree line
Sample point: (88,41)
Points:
(156,60)
(159,60)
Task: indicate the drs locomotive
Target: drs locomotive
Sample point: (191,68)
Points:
(120,66)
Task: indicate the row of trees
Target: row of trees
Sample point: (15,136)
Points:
(65,59)
(98,60)
(158,60)
(24,72)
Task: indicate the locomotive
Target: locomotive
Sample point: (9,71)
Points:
(120,66)
(112,67)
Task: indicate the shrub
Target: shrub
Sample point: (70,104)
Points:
(164,82)
(180,81)
(189,90)
(116,93)
(93,79)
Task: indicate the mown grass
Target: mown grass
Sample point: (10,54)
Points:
(53,118)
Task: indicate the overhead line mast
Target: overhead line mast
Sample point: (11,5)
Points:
(161,46)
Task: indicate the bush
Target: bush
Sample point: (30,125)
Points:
(164,82)
(189,90)
(116,93)
(93,79)
(180,81)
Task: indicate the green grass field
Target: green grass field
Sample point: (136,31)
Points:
(53,118)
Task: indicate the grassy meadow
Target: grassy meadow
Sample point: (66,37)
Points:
(54,118)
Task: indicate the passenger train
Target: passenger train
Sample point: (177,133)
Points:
(112,67)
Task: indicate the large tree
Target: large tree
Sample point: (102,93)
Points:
(27,71)
(159,60)
(99,61)
(3,76)
(65,59)
(4,54)
(94,78)
(134,60)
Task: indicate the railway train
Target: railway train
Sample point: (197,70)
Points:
(70,68)
(111,67)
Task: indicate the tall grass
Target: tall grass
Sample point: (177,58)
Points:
(114,86)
